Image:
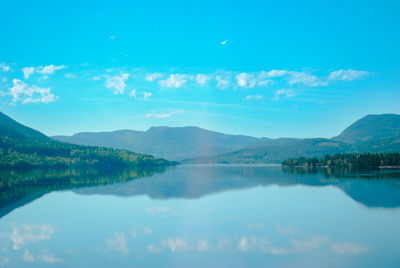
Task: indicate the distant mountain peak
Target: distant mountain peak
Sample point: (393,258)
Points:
(371,127)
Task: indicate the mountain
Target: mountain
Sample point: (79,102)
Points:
(173,143)
(24,146)
(372,133)
(370,128)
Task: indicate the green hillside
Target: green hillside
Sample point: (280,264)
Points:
(21,146)
(372,127)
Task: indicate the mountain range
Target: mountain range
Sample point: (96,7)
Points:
(372,133)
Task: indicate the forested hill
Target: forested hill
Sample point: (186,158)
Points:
(23,146)
(371,127)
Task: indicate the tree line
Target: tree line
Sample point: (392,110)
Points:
(347,160)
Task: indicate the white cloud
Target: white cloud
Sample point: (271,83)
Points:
(133,232)
(49,258)
(253,97)
(132,93)
(154,249)
(306,79)
(224,42)
(118,243)
(222,81)
(28,257)
(50,69)
(264,83)
(30,94)
(247,244)
(161,115)
(347,75)
(309,243)
(153,76)
(202,79)
(348,248)
(157,115)
(4,67)
(246,80)
(158,210)
(28,71)
(273,73)
(147,230)
(176,244)
(146,95)
(30,234)
(174,80)
(4,261)
(70,76)
(45,70)
(117,82)
(289,230)
(203,245)
(287,93)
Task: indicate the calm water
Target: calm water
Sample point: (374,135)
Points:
(200,216)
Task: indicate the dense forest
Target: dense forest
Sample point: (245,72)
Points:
(347,160)
(21,146)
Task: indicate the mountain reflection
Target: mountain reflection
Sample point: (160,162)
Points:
(21,186)
(372,188)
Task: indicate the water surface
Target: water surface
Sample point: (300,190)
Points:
(200,216)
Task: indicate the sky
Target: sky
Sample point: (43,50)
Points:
(260,68)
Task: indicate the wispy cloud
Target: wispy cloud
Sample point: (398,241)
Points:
(176,244)
(287,93)
(161,115)
(49,258)
(28,257)
(44,70)
(174,81)
(155,210)
(348,248)
(50,69)
(153,76)
(253,97)
(117,82)
(347,75)
(202,79)
(4,67)
(4,261)
(306,79)
(203,245)
(289,230)
(223,81)
(118,243)
(25,234)
(28,71)
(154,249)
(24,93)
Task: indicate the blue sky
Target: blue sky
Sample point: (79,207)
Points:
(262,68)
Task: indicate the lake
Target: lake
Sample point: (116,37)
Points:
(200,216)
